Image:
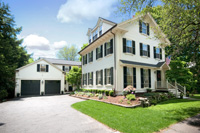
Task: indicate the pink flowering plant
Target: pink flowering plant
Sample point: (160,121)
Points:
(129,90)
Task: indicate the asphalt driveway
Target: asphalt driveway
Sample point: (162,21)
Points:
(46,114)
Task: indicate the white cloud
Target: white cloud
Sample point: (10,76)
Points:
(41,46)
(36,42)
(59,45)
(78,10)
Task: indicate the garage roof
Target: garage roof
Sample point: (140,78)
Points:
(63,62)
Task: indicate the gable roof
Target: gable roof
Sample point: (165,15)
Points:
(118,26)
(63,62)
(37,62)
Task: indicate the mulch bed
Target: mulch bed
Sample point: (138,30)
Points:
(118,100)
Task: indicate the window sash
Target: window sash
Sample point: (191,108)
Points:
(99,77)
(85,79)
(90,78)
(129,76)
(144,28)
(129,48)
(108,76)
(144,50)
(146,78)
(43,68)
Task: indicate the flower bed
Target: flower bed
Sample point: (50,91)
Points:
(128,101)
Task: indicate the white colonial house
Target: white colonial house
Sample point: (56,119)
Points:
(43,77)
(125,54)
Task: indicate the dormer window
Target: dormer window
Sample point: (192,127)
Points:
(144,27)
(100,30)
(90,38)
(95,35)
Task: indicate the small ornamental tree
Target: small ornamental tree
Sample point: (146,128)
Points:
(180,73)
(74,76)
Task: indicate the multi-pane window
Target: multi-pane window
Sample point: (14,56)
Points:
(91,56)
(129,48)
(129,76)
(42,67)
(100,30)
(145,50)
(90,78)
(108,48)
(144,28)
(108,76)
(85,59)
(85,79)
(99,52)
(99,78)
(146,77)
(90,38)
(158,53)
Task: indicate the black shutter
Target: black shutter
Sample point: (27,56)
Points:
(101,50)
(88,78)
(105,77)
(104,49)
(63,68)
(154,51)
(92,78)
(38,67)
(161,53)
(148,48)
(140,26)
(134,77)
(147,28)
(124,45)
(96,53)
(47,68)
(83,78)
(86,59)
(141,49)
(101,77)
(149,78)
(111,46)
(83,60)
(92,56)
(125,77)
(142,78)
(96,77)
(69,68)
(133,47)
(111,75)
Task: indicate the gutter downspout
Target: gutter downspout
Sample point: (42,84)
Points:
(114,62)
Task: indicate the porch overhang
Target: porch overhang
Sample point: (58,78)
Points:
(161,65)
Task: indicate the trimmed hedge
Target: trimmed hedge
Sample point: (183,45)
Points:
(106,92)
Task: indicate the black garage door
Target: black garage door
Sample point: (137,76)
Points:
(52,86)
(30,87)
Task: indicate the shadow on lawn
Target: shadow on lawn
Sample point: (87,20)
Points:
(177,101)
(181,114)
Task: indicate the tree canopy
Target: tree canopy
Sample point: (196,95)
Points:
(84,45)
(74,76)
(68,53)
(12,55)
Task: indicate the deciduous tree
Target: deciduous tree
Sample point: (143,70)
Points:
(68,53)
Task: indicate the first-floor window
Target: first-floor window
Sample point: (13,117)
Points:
(90,78)
(99,77)
(85,79)
(129,76)
(146,77)
(108,76)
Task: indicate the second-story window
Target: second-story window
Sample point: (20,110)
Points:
(99,52)
(128,46)
(144,50)
(108,47)
(84,59)
(90,38)
(144,27)
(100,30)
(91,56)
(157,53)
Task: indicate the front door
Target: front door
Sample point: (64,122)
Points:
(70,88)
(158,79)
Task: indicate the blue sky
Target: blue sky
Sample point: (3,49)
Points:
(48,25)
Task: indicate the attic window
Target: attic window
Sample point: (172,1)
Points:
(144,27)
(42,68)
(100,30)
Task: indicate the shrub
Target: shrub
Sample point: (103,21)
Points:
(128,90)
(128,102)
(105,97)
(107,92)
(187,94)
(3,94)
(101,91)
(100,96)
(96,95)
(181,95)
(121,100)
(149,90)
(131,97)
(111,93)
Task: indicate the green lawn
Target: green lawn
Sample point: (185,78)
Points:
(139,119)
(197,96)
